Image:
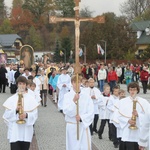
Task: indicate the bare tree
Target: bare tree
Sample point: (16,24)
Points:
(134,8)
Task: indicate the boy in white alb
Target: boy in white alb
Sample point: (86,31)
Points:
(95,94)
(85,117)
(104,113)
(20,135)
(111,107)
(130,127)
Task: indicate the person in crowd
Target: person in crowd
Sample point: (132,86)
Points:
(21,135)
(84,118)
(132,68)
(104,114)
(112,78)
(114,119)
(94,93)
(49,75)
(130,116)
(83,70)
(36,81)
(137,72)
(3,79)
(122,75)
(119,73)
(27,73)
(64,85)
(128,75)
(53,82)
(88,72)
(102,75)
(111,107)
(43,87)
(144,136)
(11,76)
(70,70)
(35,93)
(18,73)
(83,82)
(144,75)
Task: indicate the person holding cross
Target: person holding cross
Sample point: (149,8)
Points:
(85,117)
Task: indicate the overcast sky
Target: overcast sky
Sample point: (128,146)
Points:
(98,6)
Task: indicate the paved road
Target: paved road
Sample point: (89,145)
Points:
(50,128)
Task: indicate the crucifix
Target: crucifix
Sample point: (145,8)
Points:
(77,20)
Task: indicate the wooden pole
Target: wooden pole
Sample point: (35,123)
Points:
(77,64)
(77,20)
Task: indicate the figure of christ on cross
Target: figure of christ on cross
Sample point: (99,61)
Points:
(77,20)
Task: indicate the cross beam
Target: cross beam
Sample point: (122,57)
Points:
(77,20)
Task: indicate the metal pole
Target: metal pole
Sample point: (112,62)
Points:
(105,50)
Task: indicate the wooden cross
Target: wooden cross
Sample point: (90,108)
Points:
(77,20)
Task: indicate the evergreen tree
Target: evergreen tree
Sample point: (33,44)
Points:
(2,11)
(66,7)
(66,47)
(57,57)
(34,39)
(17,3)
(6,27)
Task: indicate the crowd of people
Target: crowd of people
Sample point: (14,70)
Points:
(103,101)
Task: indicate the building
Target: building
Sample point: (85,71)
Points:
(142,29)
(10,44)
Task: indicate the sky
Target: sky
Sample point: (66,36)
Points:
(97,6)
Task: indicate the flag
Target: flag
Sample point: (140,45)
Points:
(80,52)
(61,53)
(100,50)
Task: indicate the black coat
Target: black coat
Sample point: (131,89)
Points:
(3,78)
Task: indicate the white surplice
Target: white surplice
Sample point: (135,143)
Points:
(20,132)
(86,112)
(103,110)
(144,135)
(111,105)
(115,120)
(125,114)
(94,92)
(63,79)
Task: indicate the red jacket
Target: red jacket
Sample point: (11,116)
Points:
(144,75)
(112,76)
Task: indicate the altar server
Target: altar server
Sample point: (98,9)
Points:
(64,85)
(94,93)
(20,135)
(131,111)
(85,117)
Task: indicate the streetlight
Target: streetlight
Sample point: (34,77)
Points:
(105,48)
(84,53)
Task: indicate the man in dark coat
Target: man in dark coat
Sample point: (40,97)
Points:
(3,79)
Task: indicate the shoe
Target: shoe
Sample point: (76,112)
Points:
(116,146)
(100,137)
(61,111)
(4,92)
(45,105)
(95,130)
(110,139)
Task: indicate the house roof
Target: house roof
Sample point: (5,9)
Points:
(7,40)
(144,39)
(140,26)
